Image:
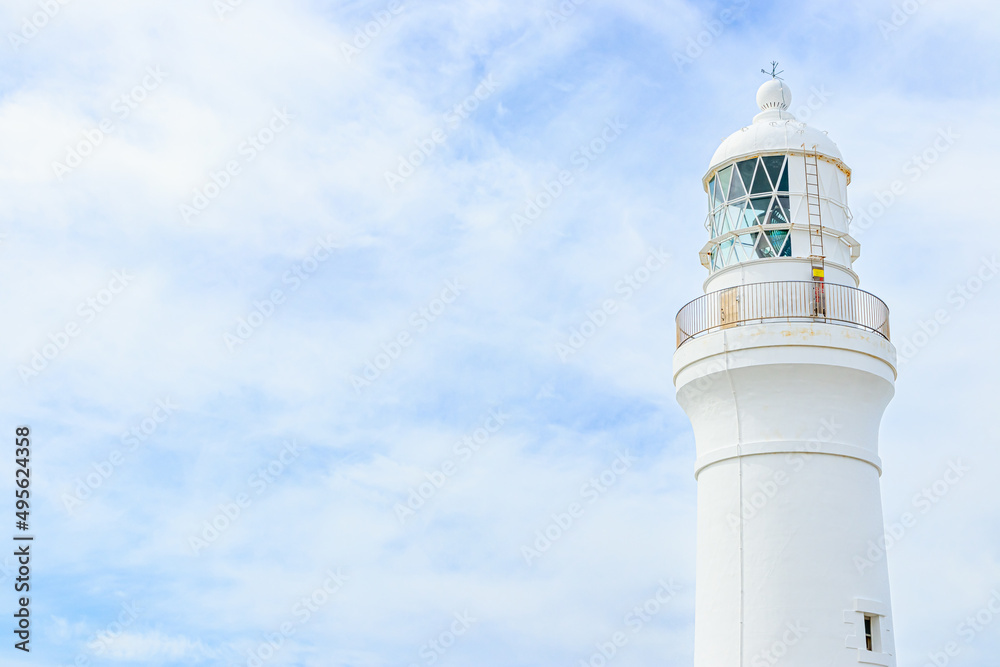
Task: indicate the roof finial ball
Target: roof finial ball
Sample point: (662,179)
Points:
(774,94)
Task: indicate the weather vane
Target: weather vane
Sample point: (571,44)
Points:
(774,73)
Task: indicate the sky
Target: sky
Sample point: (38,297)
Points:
(292,290)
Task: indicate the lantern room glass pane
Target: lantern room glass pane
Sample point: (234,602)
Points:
(781,242)
(724,177)
(723,222)
(760,182)
(736,189)
(759,206)
(773,164)
(733,215)
(763,248)
(736,254)
(744,247)
(746,168)
(779,208)
(783,181)
(726,251)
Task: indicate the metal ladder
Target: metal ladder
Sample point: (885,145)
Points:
(817,257)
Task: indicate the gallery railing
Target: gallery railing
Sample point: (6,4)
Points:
(785,301)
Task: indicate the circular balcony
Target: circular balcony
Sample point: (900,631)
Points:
(783,301)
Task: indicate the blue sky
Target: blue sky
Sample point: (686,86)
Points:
(288,136)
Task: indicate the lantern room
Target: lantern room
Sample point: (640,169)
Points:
(777,202)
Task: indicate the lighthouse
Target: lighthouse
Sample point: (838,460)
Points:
(784,367)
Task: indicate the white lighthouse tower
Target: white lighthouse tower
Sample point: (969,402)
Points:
(784,368)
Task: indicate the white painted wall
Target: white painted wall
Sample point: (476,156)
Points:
(778,268)
(786,422)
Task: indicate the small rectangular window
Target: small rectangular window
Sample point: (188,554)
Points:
(873,633)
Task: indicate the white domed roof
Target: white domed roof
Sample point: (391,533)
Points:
(775,129)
